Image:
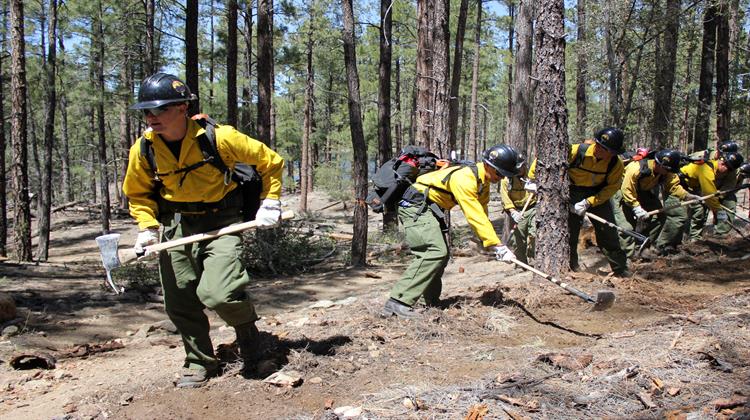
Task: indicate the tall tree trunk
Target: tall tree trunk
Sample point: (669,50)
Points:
(45,196)
(304,173)
(212,54)
(93,151)
(399,138)
(688,95)
(385,147)
(191,53)
(613,66)
(511,38)
(518,123)
(99,69)
(67,180)
(18,169)
(425,92)
(265,69)
(440,74)
(246,114)
(458,55)
(551,140)
(126,90)
(384,82)
(706,79)
(666,61)
(3,141)
(149,62)
(472,143)
(581,72)
(232,63)
(359,146)
(722,71)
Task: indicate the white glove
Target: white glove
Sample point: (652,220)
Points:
(516,216)
(580,207)
(639,212)
(268,214)
(503,253)
(530,186)
(145,238)
(689,197)
(721,216)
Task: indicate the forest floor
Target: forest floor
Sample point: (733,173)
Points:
(504,345)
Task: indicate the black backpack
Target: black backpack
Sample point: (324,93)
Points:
(250,183)
(393,178)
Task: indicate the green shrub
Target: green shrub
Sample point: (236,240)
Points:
(288,249)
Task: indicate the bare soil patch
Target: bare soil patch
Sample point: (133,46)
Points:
(502,344)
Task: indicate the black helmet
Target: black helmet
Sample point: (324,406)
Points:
(669,159)
(745,169)
(504,159)
(161,89)
(733,160)
(611,139)
(728,146)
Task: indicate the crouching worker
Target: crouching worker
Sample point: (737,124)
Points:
(421,212)
(175,186)
(641,185)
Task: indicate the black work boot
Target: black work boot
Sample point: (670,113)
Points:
(247,341)
(401,310)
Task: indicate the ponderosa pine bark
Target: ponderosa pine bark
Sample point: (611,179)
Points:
(232,63)
(666,62)
(471,145)
(265,70)
(191,53)
(706,79)
(458,55)
(722,71)
(518,123)
(581,72)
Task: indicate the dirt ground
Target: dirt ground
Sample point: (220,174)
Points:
(503,345)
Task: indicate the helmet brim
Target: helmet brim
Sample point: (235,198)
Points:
(503,172)
(160,102)
(609,149)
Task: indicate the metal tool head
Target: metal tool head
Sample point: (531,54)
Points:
(643,246)
(604,300)
(108,250)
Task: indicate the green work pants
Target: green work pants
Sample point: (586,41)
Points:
(522,240)
(423,277)
(606,236)
(207,274)
(674,224)
(730,202)
(624,218)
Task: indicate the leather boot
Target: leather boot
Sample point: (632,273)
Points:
(247,341)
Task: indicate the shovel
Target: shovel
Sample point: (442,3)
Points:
(111,258)
(604,298)
(635,235)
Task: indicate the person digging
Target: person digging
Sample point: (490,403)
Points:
(186,195)
(421,212)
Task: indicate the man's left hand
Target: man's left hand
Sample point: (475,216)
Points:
(580,207)
(721,216)
(269,213)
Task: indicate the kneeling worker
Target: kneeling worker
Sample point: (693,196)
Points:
(421,212)
(519,202)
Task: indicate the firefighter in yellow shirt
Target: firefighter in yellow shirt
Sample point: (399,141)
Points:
(421,213)
(640,193)
(186,195)
(595,173)
(518,193)
(701,179)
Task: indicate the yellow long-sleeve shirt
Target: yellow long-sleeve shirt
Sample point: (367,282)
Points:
(465,193)
(202,185)
(633,182)
(581,176)
(513,194)
(701,179)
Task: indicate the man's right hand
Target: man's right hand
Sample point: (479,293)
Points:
(639,212)
(145,238)
(516,216)
(503,253)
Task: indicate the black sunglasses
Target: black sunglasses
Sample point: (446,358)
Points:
(156,111)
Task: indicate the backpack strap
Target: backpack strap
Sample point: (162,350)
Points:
(578,161)
(474,170)
(147,152)
(207,144)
